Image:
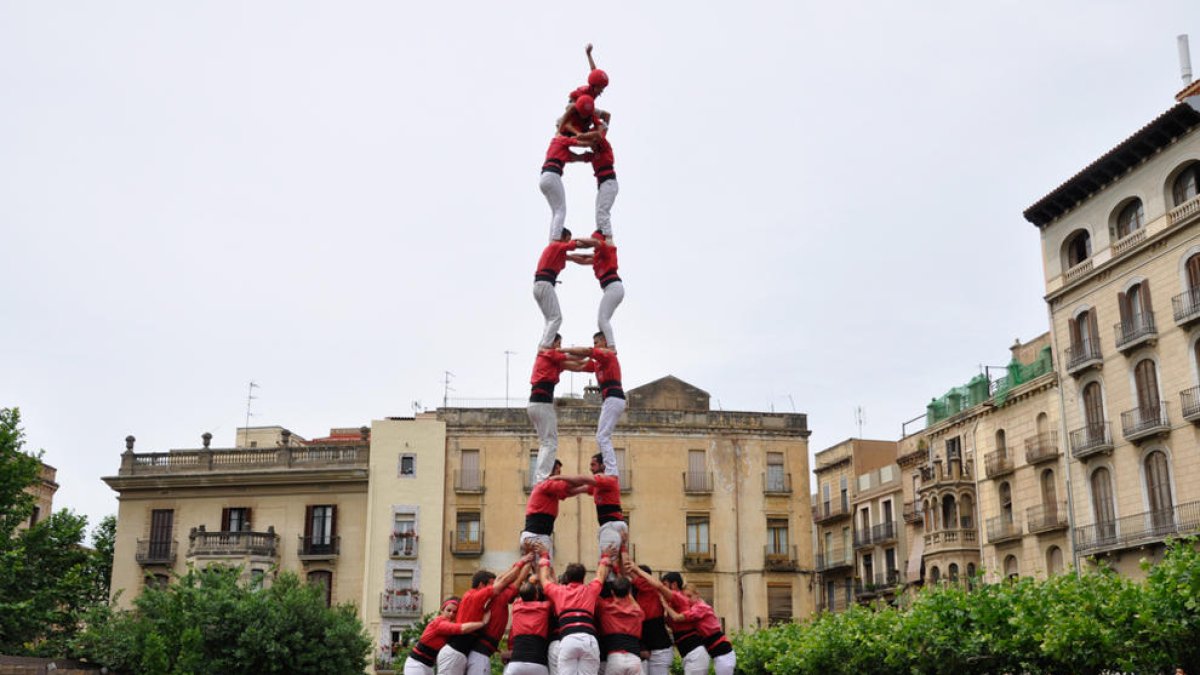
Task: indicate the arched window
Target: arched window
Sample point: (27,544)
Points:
(1158,489)
(1043,425)
(927,521)
(966,512)
(1145,377)
(1078,248)
(1137,312)
(1187,184)
(1006,505)
(1010,567)
(1093,410)
(1049,491)
(1085,335)
(1192,267)
(1054,561)
(1102,504)
(1130,218)
(1001,443)
(949,513)
(953,573)
(935,575)
(970,570)
(323,578)
(934,513)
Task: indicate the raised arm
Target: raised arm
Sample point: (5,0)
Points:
(602,568)
(575,481)
(588,50)
(513,573)
(632,568)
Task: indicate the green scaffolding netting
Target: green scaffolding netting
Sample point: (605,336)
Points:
(979,389)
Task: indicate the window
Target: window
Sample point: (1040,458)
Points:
(697,534)
(402,580)
(404,535)
(953,449)
(966,513)
(1130,219)
(887,512)
(320,528)
(257,579)
(1006,505)
(323,578)
(1093,411)
(162,523)
(705,590)
(408,465)
(1192,267)
(889,559)
(776,478)
(1145,378)
(935,575)
(1187,184)
(777,537)
(1049,496)
(1102,504)
(779,603)
(845,495)
(1158,489)
(1011,570)
(1054,561)
(531,470)
(33,517)
(235,519)
(697,476)
(1001,443)
(1078,248)
(470,476)
(952,572)
(864,521)
(623,476)
(468,532)
(1085,334)
(949,513)
(828,544)
(868,568)
(159,581)
(1136,311)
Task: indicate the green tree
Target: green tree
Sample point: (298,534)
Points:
(210,622)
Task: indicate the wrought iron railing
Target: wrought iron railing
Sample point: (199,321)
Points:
(998,463)
(315,547)
(156,551)
(1135,329)
(777,483)
(1139,529)
(1090,439)
(838,557)
(400,602)
(1144,420)
(1046,517)
(829,510)
(1002,528)
(779,558)
(1189,403)
(1186,306)
(1079,355)
(1041,447)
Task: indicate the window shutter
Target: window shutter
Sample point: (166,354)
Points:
(333,521)
(308,523)
(1147,306)
(248,523)
(224,520)
(1073,328)
(1193,271)
(1094,330)
(1123,307)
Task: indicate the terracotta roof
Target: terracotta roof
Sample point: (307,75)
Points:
(1148,140)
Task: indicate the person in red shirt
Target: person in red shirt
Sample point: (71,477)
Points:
(425,653)
(603,260)
(687,635)
(621,630)
(603,168)
(545,277)
(597,79)
(575,603)
(656,641)
(547,368)
(606,491)
(542,509)
(603,362)
(453,657)
(700,613)
(530,633)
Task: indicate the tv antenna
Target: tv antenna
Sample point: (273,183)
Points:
(507,353)
(446,388)
(859,418)
(249,399)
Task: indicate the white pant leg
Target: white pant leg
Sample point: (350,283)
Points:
(725,663)
(623,663)
(610,413)
(528,539)
(578,654)
(415,667)
(696,662)
(547,300)
(525,668)
(552,656)
(551,185)
(614,293)
(659,662)
(606,194)
(450,661)
(545,422)
(612,535)
(478,664)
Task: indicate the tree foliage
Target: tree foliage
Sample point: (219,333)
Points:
(1090,623)
(208,622)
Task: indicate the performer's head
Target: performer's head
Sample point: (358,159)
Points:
(449,607)
(557,341)
(585,105)
(597,80)
(646,569)
(557,470)
(482,578)
(597,463)
(599,235)
(598,340)
(530,592)
(574,573)
(672,580)
(620,587)
(566,235)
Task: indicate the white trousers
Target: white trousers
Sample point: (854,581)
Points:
(552,656)
(725,663)
(606,194)
(578,654)
(695,662)
(450,661)
(524,668)
(547,301)
(415,667)
(551,185)
(478,664)
(612,535)
(623,663)
(659,662)
(545,423)
(528,539)
(614,293)
(610,413)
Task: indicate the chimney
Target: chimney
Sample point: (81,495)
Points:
(1185,60)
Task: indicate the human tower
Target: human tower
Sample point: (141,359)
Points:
(624,620)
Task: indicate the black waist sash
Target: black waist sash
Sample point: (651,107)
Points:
(576,621)
(542,392)
(654,634)
(611,389)
(620,642)
(530,649)
(485,644)
(462,644)
(539,523)
(716,644)
(425,654)
(609,513)
(687,640)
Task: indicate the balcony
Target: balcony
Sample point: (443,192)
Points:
(404,545)
(156,552)
(839,600)
(319,548)
(780,558)
(1092,439)
(1189,404)
(914,512)
(1081,357)
(697,483)
(951,540)
(877,534)
(877,584)
(466,547)
(1002,528)
(1185,211)
(1135,332)
(998,463)
(699,557)
(827,561)
(831,510)
(1046,517)
(400,603)
(1141,529)
(1145,422)
(233,544)
(1186,306)
(468,481)
(779,484)
(238,460)
(1042,447)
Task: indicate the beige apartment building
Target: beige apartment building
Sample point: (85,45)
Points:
(43,494)
(1121,248)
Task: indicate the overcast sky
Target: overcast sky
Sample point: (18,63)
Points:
(820,204)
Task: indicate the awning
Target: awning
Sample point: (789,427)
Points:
(915,552)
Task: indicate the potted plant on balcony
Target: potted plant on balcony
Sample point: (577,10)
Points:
(384,661)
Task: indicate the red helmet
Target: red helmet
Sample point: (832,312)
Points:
(598,78)
(585,105)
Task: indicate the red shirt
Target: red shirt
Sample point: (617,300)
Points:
(545,497)
(547,367)
(621,616)
(553,260)
(709,627)
(687,637)
(605,365)
(433,638)
(575,605)
(585,89)
(602,161)
(530,618)
(494,629)
(557,155)
(604,263)
(607,494)
(647,598)
(471,608)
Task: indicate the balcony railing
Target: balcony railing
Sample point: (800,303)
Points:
(998,463)
(884,582)
(466,547)
(697,483)
(839,601)
(831,510)
(234,544)
(468,481)
(834,559)
(914,512)
(1080,357)
(1091,439)
(1189,404)
(404,544)
(1139,529)
(1002,528)
(245,459)
(396,603)
(699,557)
(1041,447)
(1145,421)
(1184,211)
(319,548)
(941,540)
(777,483)
(1135,331)
(1186,306)
(1046,517)
(779,558)
(877,534)
(156,551)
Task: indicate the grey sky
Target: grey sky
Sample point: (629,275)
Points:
(819,202)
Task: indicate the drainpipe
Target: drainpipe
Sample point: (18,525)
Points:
(1063,438)
(737,531)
